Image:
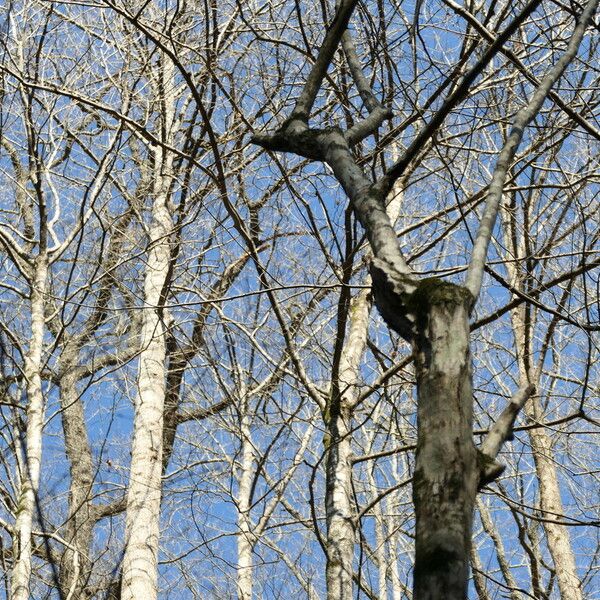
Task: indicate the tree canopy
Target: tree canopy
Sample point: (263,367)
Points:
(299,299)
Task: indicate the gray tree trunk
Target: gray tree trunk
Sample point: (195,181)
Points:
(446,472)
(431,314)
(75,566)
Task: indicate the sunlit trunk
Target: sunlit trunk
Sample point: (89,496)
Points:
(338,491)
(492,531)
(245,538)
(143,498)
(393,504)
(380,541)
(339,513)
(140,575)
(557,535)
(29,474)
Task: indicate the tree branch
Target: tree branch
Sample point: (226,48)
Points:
(499,433)
(522,119)
(455,98)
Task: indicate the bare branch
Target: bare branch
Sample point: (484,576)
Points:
(522,119)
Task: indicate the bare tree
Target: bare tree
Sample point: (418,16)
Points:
(186,323)
(432,314)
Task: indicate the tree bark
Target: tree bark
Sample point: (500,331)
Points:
(143,499)
(341,529)
(245,539)
(431,314)
(75,566)
(490,529)
(338,508)
(399,590)
(380,539)
(557,535)
(31,461)
(446,471)
(558,538)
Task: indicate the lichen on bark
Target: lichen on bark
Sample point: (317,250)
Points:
(432,291)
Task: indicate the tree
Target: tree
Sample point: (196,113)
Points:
(197,397)
(431,314)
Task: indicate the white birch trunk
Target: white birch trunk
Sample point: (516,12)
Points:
(245,539)
(140,561)
(31,464)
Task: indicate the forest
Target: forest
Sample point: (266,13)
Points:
(299,299)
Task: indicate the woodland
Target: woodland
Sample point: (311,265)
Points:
(299,299)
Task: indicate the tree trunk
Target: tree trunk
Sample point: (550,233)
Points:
(448,466)
(338,507)
(338,488)
(380,539)
(557,535)
(446,471)
(144,494)
(399,591)
(490,529)
(31,462)
(245,539)
(559,543)
(75,566)
(478,577)
(142,520)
